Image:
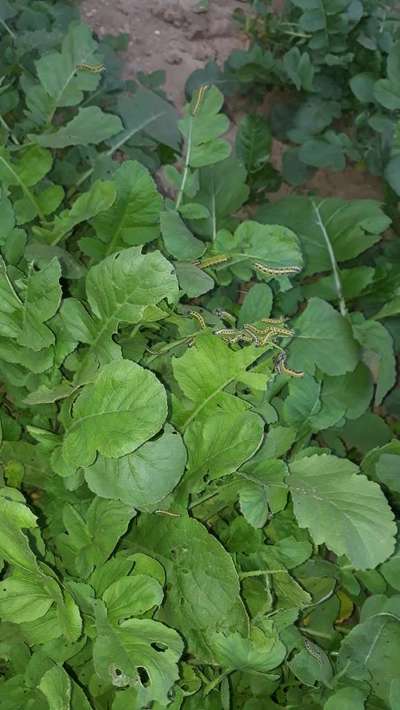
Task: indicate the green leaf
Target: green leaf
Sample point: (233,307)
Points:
(254,142)
(299,69)
(134,217)
(125,400)
(257,654)
(147,112)
(178,239)
(362,86)
(321,153)
(257,304)
(131,596)
(192,280)
(204,371)
(55,684)
(24,318)
(24,599)
(387,93)
(253,242)
(392,173)
(325,340)
(144,478)
(352,227)
(220,444)
(342,509)
(378,354)
(138,645)
(346,699)
(373,647)
(203,586)
(59,72)
(89,127)
(119,289)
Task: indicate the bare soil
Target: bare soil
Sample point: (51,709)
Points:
(173,35)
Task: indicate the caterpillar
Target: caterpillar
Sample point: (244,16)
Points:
(276,270)
(211,261)
(226,333)
(313,650)
(199,100)
(271,332)
(274,321)
(197,316)
(282,369)
(92,68)
(225,316)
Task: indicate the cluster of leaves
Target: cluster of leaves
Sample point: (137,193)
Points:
(184,523)
(338,62)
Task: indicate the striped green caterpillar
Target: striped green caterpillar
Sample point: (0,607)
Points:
(271,331)
(282,369)
(313,650)
(92,68)
(274,321)
(276,270)
(199,99)
(211,261)
(226,333)
(197,316)
(224,315)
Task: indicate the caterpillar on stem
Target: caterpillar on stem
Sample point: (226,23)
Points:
(211,261)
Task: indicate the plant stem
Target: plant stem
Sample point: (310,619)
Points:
(335,268)
(214,683)
(187,166)
(8,29)
(260,573)
(8,129)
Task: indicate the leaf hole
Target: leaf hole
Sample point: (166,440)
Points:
(144,676)
(161,647)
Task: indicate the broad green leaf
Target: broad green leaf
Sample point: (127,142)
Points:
(352,227)
(24,317)
(149,113)
(299,69)
(222,190)
(253,142)
(24,599)
(378,354)
(125,406)
(324,340)
(131,596)
(202,583)
(257,304)
(192,280)
(320,153)
(119,289)
(204,371)
(254,242)
(258,654)
(392,171)
(55,684)
(178,239)
(389,309)
(202,127)
(220,444)
(373,647)
(144,478)
(134,218)
(346,699)
(89,542)
(89,127)
(342,509)
(59,72)
(138,645)
(310,668)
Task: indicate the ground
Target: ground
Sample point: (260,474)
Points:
(173,35)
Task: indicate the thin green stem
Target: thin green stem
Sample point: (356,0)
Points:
(215,683)
(8,129)
(8,29)
(187,166)
(260,573)
(335,268)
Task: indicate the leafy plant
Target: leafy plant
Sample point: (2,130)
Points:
(199,487)
(338,63)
